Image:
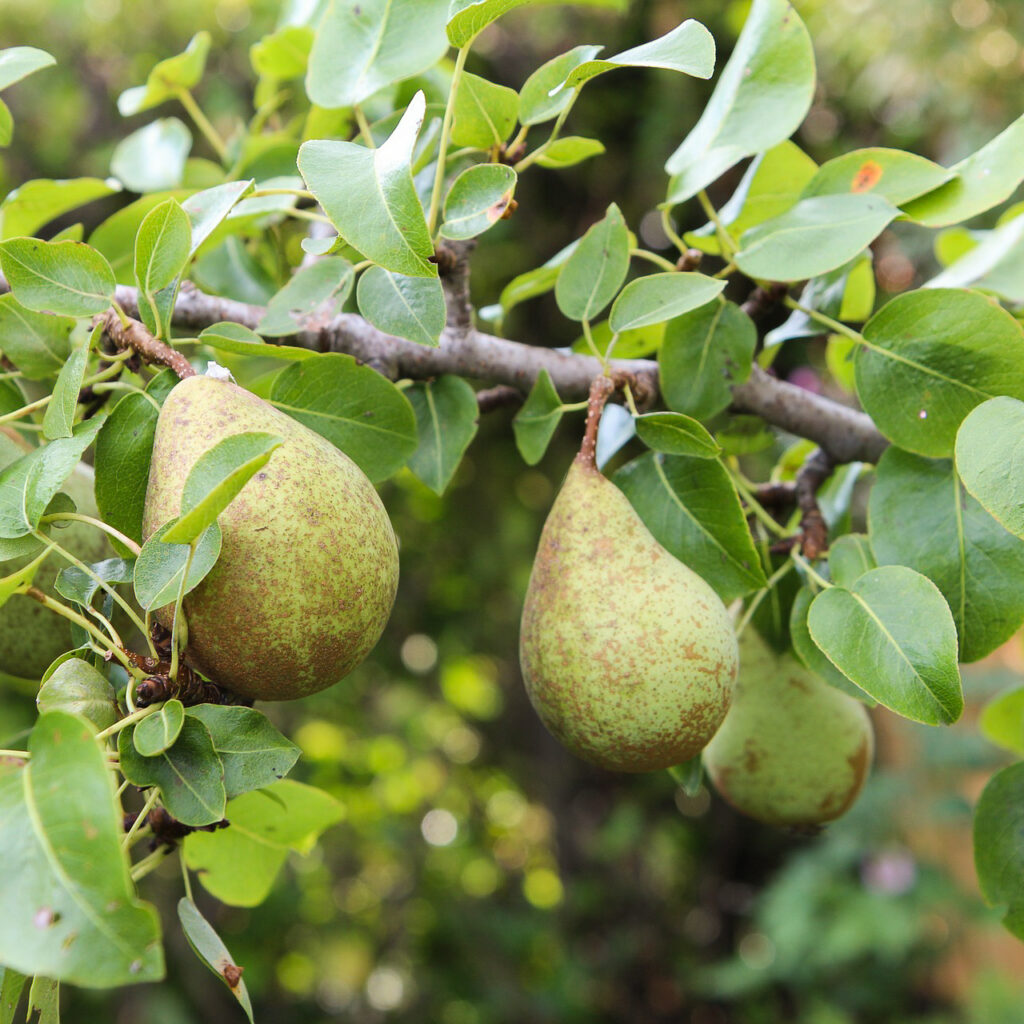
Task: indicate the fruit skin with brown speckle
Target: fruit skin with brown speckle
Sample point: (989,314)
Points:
(628,655)
(309,562)
(793,750)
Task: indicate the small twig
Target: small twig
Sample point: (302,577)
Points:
(761,300)
(134,336)
(498,397)
(600,391)
(168,831)
(690,260)
(776,494)
(813,528)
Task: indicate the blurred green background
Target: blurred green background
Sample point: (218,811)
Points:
(482,875)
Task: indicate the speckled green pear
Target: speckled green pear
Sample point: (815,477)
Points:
(309,563)
(628,655)
(30,636)
(793,750)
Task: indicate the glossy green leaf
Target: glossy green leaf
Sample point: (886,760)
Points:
(536,104)
(983,180)
(37,343)
(468,17)
(162,247)
(1002,720)
(283,54)
(160,567)
(892,634)
(659,297)
(73,915)
(676,434)
(703,353)
(228,336)
(35,203)
(477,200)
(74,584)
(158,731)
(761,97)
(188,774)
(215,480)
(18,62)
(315,293)
(536,422)
(363,46)
(814,236)
(999,845)
(692,508)
(153,158)
(57,277)
(447,417)
(406,307)
(207,209)
(995,264)
(60,413)
(921,371)
(890,173)
(115,237)
(354,407)
(253,752)
(568,151)
(689,48)
(593,274)
(485,113)
(850,556)
(920,516)
(210,948)
(238,865)
(77,688)
(368,193)
(182,71)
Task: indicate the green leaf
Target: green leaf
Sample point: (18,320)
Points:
(370,198)
(761,97)
(216,479)
(890,173)
(447,416)
(634,343)
(74,584)
(983,180)
(702,354)
(238,865)
(18,62)
(354,407)
(568,151)
(363,46)
(60,413)
(814,236)
(536,104)
(73,915)
(406,307)
(253,752)
(153,158)
(536,422)
(37,343)
(6,127)
(228,336)
(485,113)
(922,370)
(158,731)
(208,946)
(594,272)
(76,688)
(535,282)
(189,774)
(466,18)
(207,209)
(692,508)
(124,448)
(659,297)
(183,71)
(35,203)
(999,845)
(689,48)
(477,200)
(315,293)
(892,634)
(11,985)
(676,434)
(1002,720)
(57,277)
(850,556)
(115,237)
(993,265)
(44,1000)
(283,54)
(160,567)
(18,581)
(920,516)
(162,247)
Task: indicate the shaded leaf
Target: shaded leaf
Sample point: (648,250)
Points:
(37,343)
(35,203)
(999,845)
(77,688)
(160,567)
(447,416)
(1002,720)
(315,292)
(158,731)
(536,422)
(406,307)
(208,946)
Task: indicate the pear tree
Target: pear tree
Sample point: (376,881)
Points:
(174,444)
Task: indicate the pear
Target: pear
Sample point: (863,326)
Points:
(793,750)
(309,562)
(30,635)
(627,654)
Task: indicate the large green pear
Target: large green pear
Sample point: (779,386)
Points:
(309,563)
(30,635)
(628,655)
(793,750)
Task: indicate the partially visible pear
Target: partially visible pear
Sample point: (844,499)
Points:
(628,655)
(793,750)
(30,635)
(309,562)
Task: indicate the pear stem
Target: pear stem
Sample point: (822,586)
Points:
(600,390)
